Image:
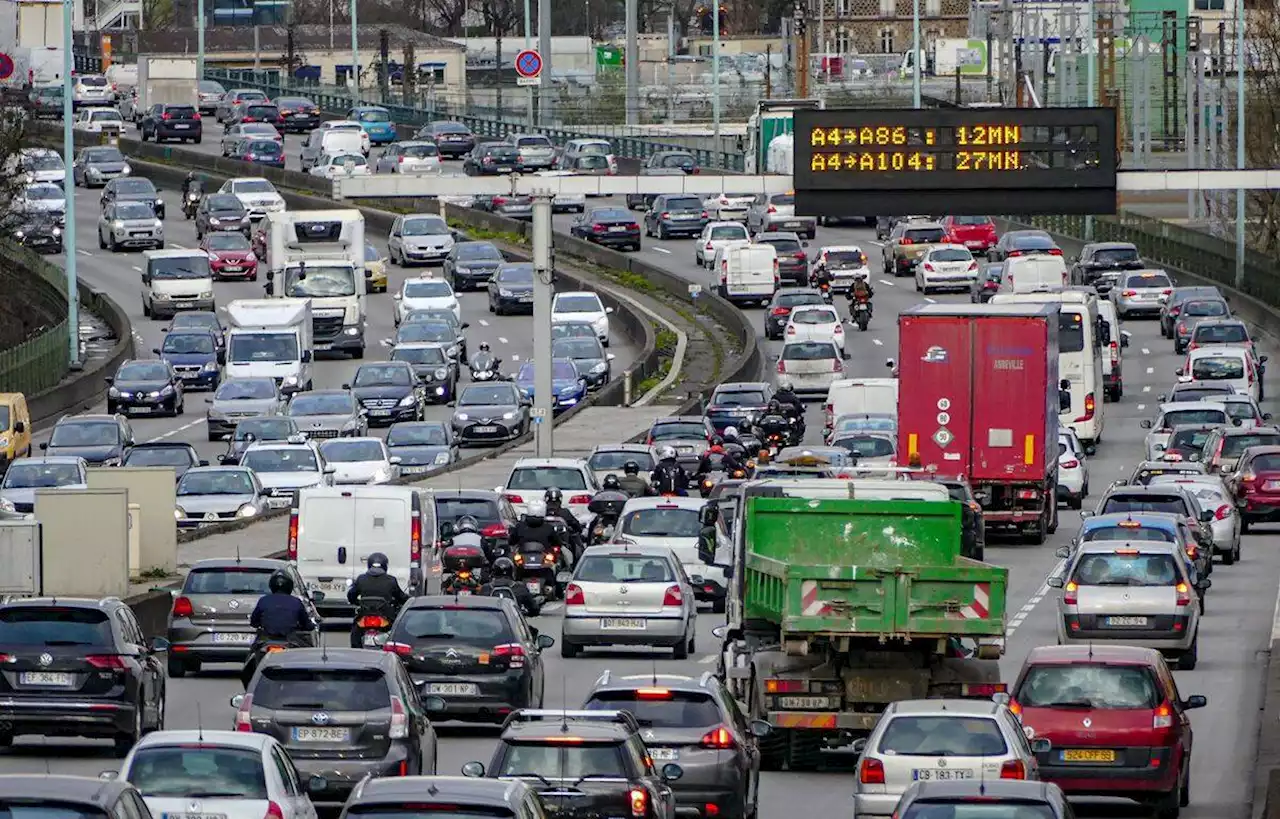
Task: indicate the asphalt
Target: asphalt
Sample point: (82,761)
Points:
(1235,633)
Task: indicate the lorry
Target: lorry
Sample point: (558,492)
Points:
(947,55)
(170,80)
(320,255)
(33,68)
(979,397)
(770,120)
(270,338)
(846,598)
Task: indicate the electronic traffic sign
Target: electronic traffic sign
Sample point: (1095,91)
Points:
(955,161)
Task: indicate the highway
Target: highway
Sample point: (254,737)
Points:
(1236,630)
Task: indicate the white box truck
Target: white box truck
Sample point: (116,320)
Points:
(170,80)
(270,338)
(319,255)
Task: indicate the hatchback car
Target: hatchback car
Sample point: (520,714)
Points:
(174,121)
(133,189)
(489,413)
(531,477)
(945,267)
(816,323)
(360,461)
(491,159)
(1224,446)
(610,459)
(907,245)
(582,306)
(389,391)
(1015,243)
(251,131)
(977,233)
(811,366)
(1231,332)
(1255,484)
(179,456)
(610,227)
(422,446)
(1141,292)
(452,138)
(342,714)
(715,236)
(265,152)
(777,211)
(26,476)
(219,212)
(1192,313)
(94,167)
(510,289)
(1213,494)
(1185,440)
(328,414)
(258,196)
(1233,366)
(1147,472)
(100,439)
(1180,414)
(129,225)
(411,157)
(673,214)
(425,293)
(588,356)
(145,387)
(778,311)
(433,367)
(258,429)
(688,435)
(216,494)
(230,257)
(1073,471)
(240,399)
(1098,258)
(470,265)
(284,467)
(790,252)
(568,384)
(987,283)
(419,239)
(929,800)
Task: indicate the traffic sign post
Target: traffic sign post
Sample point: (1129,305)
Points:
(529,67)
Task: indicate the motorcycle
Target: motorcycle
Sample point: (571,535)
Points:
(373,618)
(191,201)
(263,647)
(607,507)
(860,314)
(825,289)
(536,567)
(485,368)
(464,567)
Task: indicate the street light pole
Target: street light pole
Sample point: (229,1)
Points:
(543,398)
(1240,143)
(355,57)
(715,71)
(528,44)
(69,185)
(200,41)
(916,61)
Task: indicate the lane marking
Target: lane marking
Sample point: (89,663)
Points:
(1028,607)
(515,358)
(1146,389)
(1145,351)
(1141,407)
(484,323)
(83,252)
(709,659)
(887,283)
(877,244)
(931,301)
(502,340)
(1151,370)
(663,250)
(173,432)
(137,269)
(877,342)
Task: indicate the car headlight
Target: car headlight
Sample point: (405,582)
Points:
(246,511)
(408,400)
(599,368)
(158,225)
(210,366)
(21,233)
(441,373)
(291,379)
(506,294)
(381,476)
(57,231)
(179,513)
(168,390)
(207,294)
(507,416)
(442,458)
(6,505)
(462,416)
(126,170)
(117,225)
(466,271)
(454,350)
(352,424)
(570,390)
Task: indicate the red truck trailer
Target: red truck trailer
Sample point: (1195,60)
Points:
(978,397)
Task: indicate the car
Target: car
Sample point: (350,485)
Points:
(419,239)
(328,414)
(249,131)
(99,439)
(1147,472)
(241,399)
(582,306)
(694,722)
(608,227)
(38,233)
(1186,440)
(388,391)
(1255,485)
(588,356)
(644,201)
(576,149)
(867,447)
(78,667)
(1179,414)
(368,704)
(1213,493)
(46,102)
(1140,292)
(677,523)
(777,212)
(419,326)
(1131,700)
(101,121)
(179,456)
(1043,800)
(1192,313)
(489,413)
(1014,243)
(491,159)
(254,111)
(360,461)
(260,428)
(425,293)
(284,467)
(536,151)
(41,165)
(133,189)
(737,404)
(729,207)
(1172,303)
(793,260)
(258,196)
(492,511)
(409,157)
(1230,332)
(624,594)
(845,264)
(680,160)
(376,122)
(1097,258)
(716,235)
(908,243)
(811,366)
(219,212)
(375,269)
(233,98)
(231,258)
(26,476)
(422,446)
(216,494)
(1171,500)
(176,121)
(1224,446)
(259,152)
(519,206)
(609,459)
(129,224)
(332,166)
(1136,526)
(435,370)
(987,283)
(1234,366)
(946,267)
(863,422)
(975,233)
(208,93)
(510,289)
(531,477)
(142,386)
(1199,391)
(688,435)
(568,384)
(41,200)
(95,167)
(452,138)
(470,265)
(674,214)
(815,323)
(938,740)
(786,299)
(300,114)
(227,771)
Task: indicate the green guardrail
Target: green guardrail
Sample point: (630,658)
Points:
(42,360)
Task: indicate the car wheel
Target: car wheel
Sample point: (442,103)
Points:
(124,742)
(1076,502)
(569,650)
(680,651)
(158,725)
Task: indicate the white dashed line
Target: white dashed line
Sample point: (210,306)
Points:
(174,432)
(887,283)
(662,250)
(1150,370)
(1028,607)
(877,342)
(931,301)
(1141,407)
(502,340)
(709,659)
(137,269)
(515,358)
(1145,351)
(484,323)
(877,244)
(1146,389)
(83,252)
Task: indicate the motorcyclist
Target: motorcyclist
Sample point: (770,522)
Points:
(862,291)
(631,482)
(466,532)
(503,578)
(555,507)
(668,477)
(483,359)
(709,462)
(791,405)
(192,182)
(377,583)
(612,484)
(280,615)
(820,276)
(534,528)
(775,421)
(733,445)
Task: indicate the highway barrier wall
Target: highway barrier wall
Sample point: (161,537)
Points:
(37,304)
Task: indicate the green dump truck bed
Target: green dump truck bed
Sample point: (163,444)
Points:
(876,569)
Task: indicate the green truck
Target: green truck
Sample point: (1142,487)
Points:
(839,607)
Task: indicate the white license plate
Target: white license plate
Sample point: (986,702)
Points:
(180,126)
(534,586)
(940,775)
(484,429)
(190,376)
(45,678)
(413,470)
(453,689)
(379,413)
(687,449)
(232,268)
(238,639)
(630,623)
(1126,621)
(308,734)
(617,229)
(664,754)
(333,585)
(802,702)
(278,503)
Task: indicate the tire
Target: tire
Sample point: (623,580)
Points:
(680,651)
(1229,557)
(718,606)
(569,650)
(1076,502)
(124,742)
(1244,525)
(1168,806)
(358,353)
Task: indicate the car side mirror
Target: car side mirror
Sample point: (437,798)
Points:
(109,380)
(271,275)
(1090,450)
(1195,701)
(306,356)
(1178,372)
(610,310)
(1266,416)
(1054,582)
(20,427)
(859,746)
(1040,745)
(435,705)
(464,325)
(330,469)
(317,784)
(107,776)
(1237,422)
(545,641)
(1146,423)
(760,728)
(1205,584)
(475,770)
(1207,516)
(1062,552)
(203,462)
(1086,514)
(155,350)
(346,386)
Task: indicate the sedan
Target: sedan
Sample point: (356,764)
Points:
(133,189)
(435,369)
(1141,293)
(221,211)
(259,152)
(470,265)
(333,166)
(230,257)
(129,224)
(425,293)
(715,236)
(452,138)
(422,446)
(179,456)
(492,159)
(582,306)
(388,391)
(240,399)
(793,261)
(568,385)
(1191,314)
(588,356)
(1214,495)
(419,239)
(328,414)
(818,323)
(26,476)
(250,131)
(258,195)
(536,150)
(264,428)
(987,283)
(150,387)
(946,267)
(360,461)
(513,207)
(1022,243)
(610,227)
(1231,332)
(300,114)
(490,413)
(409,157)
(778,312)
(94,167)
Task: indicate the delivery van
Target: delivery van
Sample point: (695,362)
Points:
(1034,274)
(15,428)
(748,272)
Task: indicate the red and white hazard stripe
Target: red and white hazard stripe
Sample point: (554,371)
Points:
(811,606)
(980,609)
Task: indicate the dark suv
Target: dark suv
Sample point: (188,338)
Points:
(164,121)
(674,214)
(585,764)
(342,714)
(696,721)
(477,653)
(78,668)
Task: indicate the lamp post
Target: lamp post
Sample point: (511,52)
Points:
(355,58)
(199,41)
(1240,157)
(715,71)
(916,66)
(69,185)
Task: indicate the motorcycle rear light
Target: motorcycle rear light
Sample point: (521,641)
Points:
(573,595)
(580,499)
(1013,769)
(514,652)
(1163,717)
(293,536)
(106,662)
(498,530)
(704,215)
(399,720)
(373,621)
(1184,594)
(242,722)
(871,771)
(673,597)
(182,607)
(719,738)
(403,649)
(639,800)
(1071,593)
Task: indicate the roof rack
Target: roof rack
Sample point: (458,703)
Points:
(624,718)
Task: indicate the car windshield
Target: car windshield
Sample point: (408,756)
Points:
(1175,418)
(561,761)
(678,431)
(673,522)
(229,580)
(1129,531)
(782,245)
(103,155)
(809,351)
(419,355)
(624,568)
(484,510)
(1168,504)
(158,456)
(322,689)
(188,344)
(1233,446)
(135,187)
(942,736)
(246,348)
(576,348)
(427,289)
(142,371)
(476,626)
(1205,308)
(198,771)
(297,459)
(179,267)
(216,482)
(820,316)
(546,477)
(1217,369)
(578,304)
(866,446)
(339,160)
(135,211)
(1096,686)
(45,192)
(1115,255)
(1148,280)
(845,258)
(988,808)
(226,241)
(425,226)
(320,405)
(1221,334)
(252,186)
(320,282)
(487,396)
(797,299)
(561,370)
(352,450)
(924,236)
(738,398)
(728,232)
(661,708)
(384,375)
(1188,439)
(515,274)
(265,429)
(616,459)
(1070,331)
(223,203)
(417,435)
(195,320)
(951,254)
(478,251)
(34,474)
(91,433)
(420,331)
(374,116)
(54,625)
(1128,567)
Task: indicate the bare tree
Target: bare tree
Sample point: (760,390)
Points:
(157,15)
(444,15)
(500,19)
(1262,123)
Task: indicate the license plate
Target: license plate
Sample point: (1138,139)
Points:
(534,586)
(191,377)
(1089,755)
(333,585)
(44,678)
(664,754)
(239,639)
(631,623)
(413,470)
(309,734)
(180,126)
(453,689)
(379,413)
(1126,621)
(684,449)
(617,229)
(193,816)
(278,503)
(232,268)
(802,702)
(940,775)
(485,429)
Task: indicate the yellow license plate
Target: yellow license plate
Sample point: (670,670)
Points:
(1089,755)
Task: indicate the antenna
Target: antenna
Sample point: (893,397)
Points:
(654,661)
(199,723)
(237,554)
(324,650)
(564,698)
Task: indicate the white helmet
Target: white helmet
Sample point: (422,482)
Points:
(784,383)
(536,509)
(666,452)
(730,432)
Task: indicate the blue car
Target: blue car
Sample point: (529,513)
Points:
(194,356)
(376,122)
(569,385)
(1131,526)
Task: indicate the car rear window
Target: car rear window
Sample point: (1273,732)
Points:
(54,626)
(198,772)
(866,446)
(1217,369)
(424,809)
(1115,255)
(679,430)
(1148,533)
(1188,439)
(1126,567)
(815,316)
(563,760)
(617,460)
(1167,504)
(230,580)
(624,568)
(1198,416)
(782,199)
(262,111)
(482,509)
(660,707)
(1265,463)
(1221,334)
(971,220)
(546,477)
(1235,445)
(461,624)
(322,689)
(1097,686)
(942,736)
(738,398)
(684,203)
(658,522)
(782,245)
(1205,308)
(795,299)
(809,351)
(1147,280)
(980,808)
(924,235)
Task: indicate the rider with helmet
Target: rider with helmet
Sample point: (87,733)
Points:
(862,291)
(791,405)
(775,421)
(726,462)
(669,477)
(483,361)
(503,578)
(554,499)
(534,527)
(376,583)
(466,532)
(733,445)
(611,484)
(280,614)
(631,482)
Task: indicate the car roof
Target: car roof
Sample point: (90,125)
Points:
(676,682)
(234,739)
(1219,351)
(742,385)
(461,790)
(1107,546)
(636,549)
(1113,246)
(238,563)
(588,729)
(1159,464)
(468,601)
(642,448)
(336,657)
(60,788)
(931,224)
(946,707)
(1092,653)
(1211,322)
(1179,406)
(50,459)
(1012,788)
(1130,489)
(1237,431)
(663,503)
(574,463)
(679,419)
(63,602)
(88,416)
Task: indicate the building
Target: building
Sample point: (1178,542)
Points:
(34,24)
(884,26)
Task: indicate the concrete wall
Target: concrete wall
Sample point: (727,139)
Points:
(86,541)
(153,489)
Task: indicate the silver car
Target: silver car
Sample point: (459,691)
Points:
(26,476)
(129,224)
(284,467)
(536,150)
(629,595)
(360,461)
(1132,592)
(943,740)
(1141,292)
(95,167)
(412,156)
(419,239)
(609,459)
(263,131)
(1176,415)
(328,414)
(216,494)
(1212,493)
(1242,408)
(777,211)
(241,398)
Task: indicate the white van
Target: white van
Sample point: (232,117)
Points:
(332,142)
(333,530)
(748,272)
(1113,351)
(175,280)
(870,396)
(1034,274)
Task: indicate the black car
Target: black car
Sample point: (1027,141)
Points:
(78,668)
(644,201)
(584,764)
(491,159)
(492,511)
(1023,243)
(252,430)
(434,367)
(511,289)
(179,455)
(166,121)
(133,189)
(477,653)
(793,260)
(422,446)
(1171,308)
(1192,313)
(300,114)
(449,795)
(973,538)
(470,265)
(453,139)
(674,214)
(738,404)
(784,301)
(221,211)
(100,439)
(83,796)
(611,227)
(145,386)
(589,355)
(1097,258)
(490,413)
(342,714)
(987,282)
(199,320)
(37,232)
(258,151)
(390,391)
(681,160)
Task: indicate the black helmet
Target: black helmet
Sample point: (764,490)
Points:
(484,346)
(775,405)
(466,523)
(191,176)
(553,495)
(280,583)
(611,483)
(716,440)
(631,468)
(503,567)
(378,562)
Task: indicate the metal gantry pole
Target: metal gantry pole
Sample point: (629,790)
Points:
(1240,157)
(631,62)
(715,72)
(528,44)
(1090,82)
(916,58)
(355,57)
(544,87)
(542,290)
(199,40)
(69,185)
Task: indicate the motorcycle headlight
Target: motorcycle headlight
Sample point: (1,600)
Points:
(21,233)
(441,373)
(408,400)
(246,511)
(179,513)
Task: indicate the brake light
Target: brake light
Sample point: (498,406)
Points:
(399,720)
(182,607)
(273,811)
(928,267)
(718,738)
(802,256)
(165,116)
(973,265)
(772,209)
(597,228)
(514,652)
(782,366)
(837,365)
(1248,477)
(781,311)
(495,530)
(373,621)
(908,242)
(1115,351)
(1071,593)
(871,771)
(704,214)
(580,499)
(403,649)
(1071,464)
(1163,717)
(106,662)
(639,799)
(293,536)
(1184,594)
(1183,330)
(1014,253)
(673,597)
(1223,511)
(242,714)
(1015,708)
(632,226)
(1057,251)
(982,689)
(666,215)
(415,540)
(517,498)
(1128,293)
(1166,292)
(498,201)
(791,330)
(573,595)
(653,693)
(1090,406)
(785,686)
(1013,769)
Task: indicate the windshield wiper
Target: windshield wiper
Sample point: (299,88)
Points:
(585,777)
(215,795)
(429,636)
(66,643)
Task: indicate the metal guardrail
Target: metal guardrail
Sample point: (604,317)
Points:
(41,361)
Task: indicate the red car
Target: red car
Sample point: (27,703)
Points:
(1256,484)
(978,233)
(1116,724)
(230,256)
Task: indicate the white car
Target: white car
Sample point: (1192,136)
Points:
(247,775)
(286,466)
(419,239)
(1220,364)
(1241,408)
(42,165)
(1173,415)
(715,236)
(676,524)
(348,125)
(812,366)
(92,89)
(258,195)
(99,121)
(44,198)
(812,322)
(565,202)
(845,264)
(361,461)
(410,157)
(332,166)
(1073,472)
(729,207)
(1213,495)
(530,478)
(584,306)
(425,293)
(946,267)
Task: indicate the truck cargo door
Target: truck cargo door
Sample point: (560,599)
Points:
(1011,414)
(326,532)
(935,359)
(383,523)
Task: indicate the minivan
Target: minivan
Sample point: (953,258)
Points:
(333,141)
(175,280)
(333,530)
(1032,274)
(1113,355)
(748,272)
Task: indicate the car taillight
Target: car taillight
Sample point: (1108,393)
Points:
(496,530)
(1014,253)
(249,119)
(1163,717)
(1013,769)
(415,540)
(1090,406)
(791,330)
(1115,351)
(499,201)
(1248,478)
(373,621)
(632,226)
(1071,464)
(1071,593)
(573,595)
(1057,251)
(106,662)
(772,209)
(871,771)
(165,116)
(780,311)
(1128,293)
(928,267)
(673,597)
(639,799)
(242,714)
(666,215)
(1184,594)
(802,256)
(273,811)
(1166,292)
(704,215)
(293,536)
(403,649)
(196,117)
(182,607)
(907,242)
(515,498)
(973,265)
(837,365)
(1223,511)
(580,499)
(782,366)
(1184,330)
(399,720)
(719,738)
(514,652)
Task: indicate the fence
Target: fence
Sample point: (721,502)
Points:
(42,360)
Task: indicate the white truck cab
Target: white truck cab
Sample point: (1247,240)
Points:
(175,280)
(320,255)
